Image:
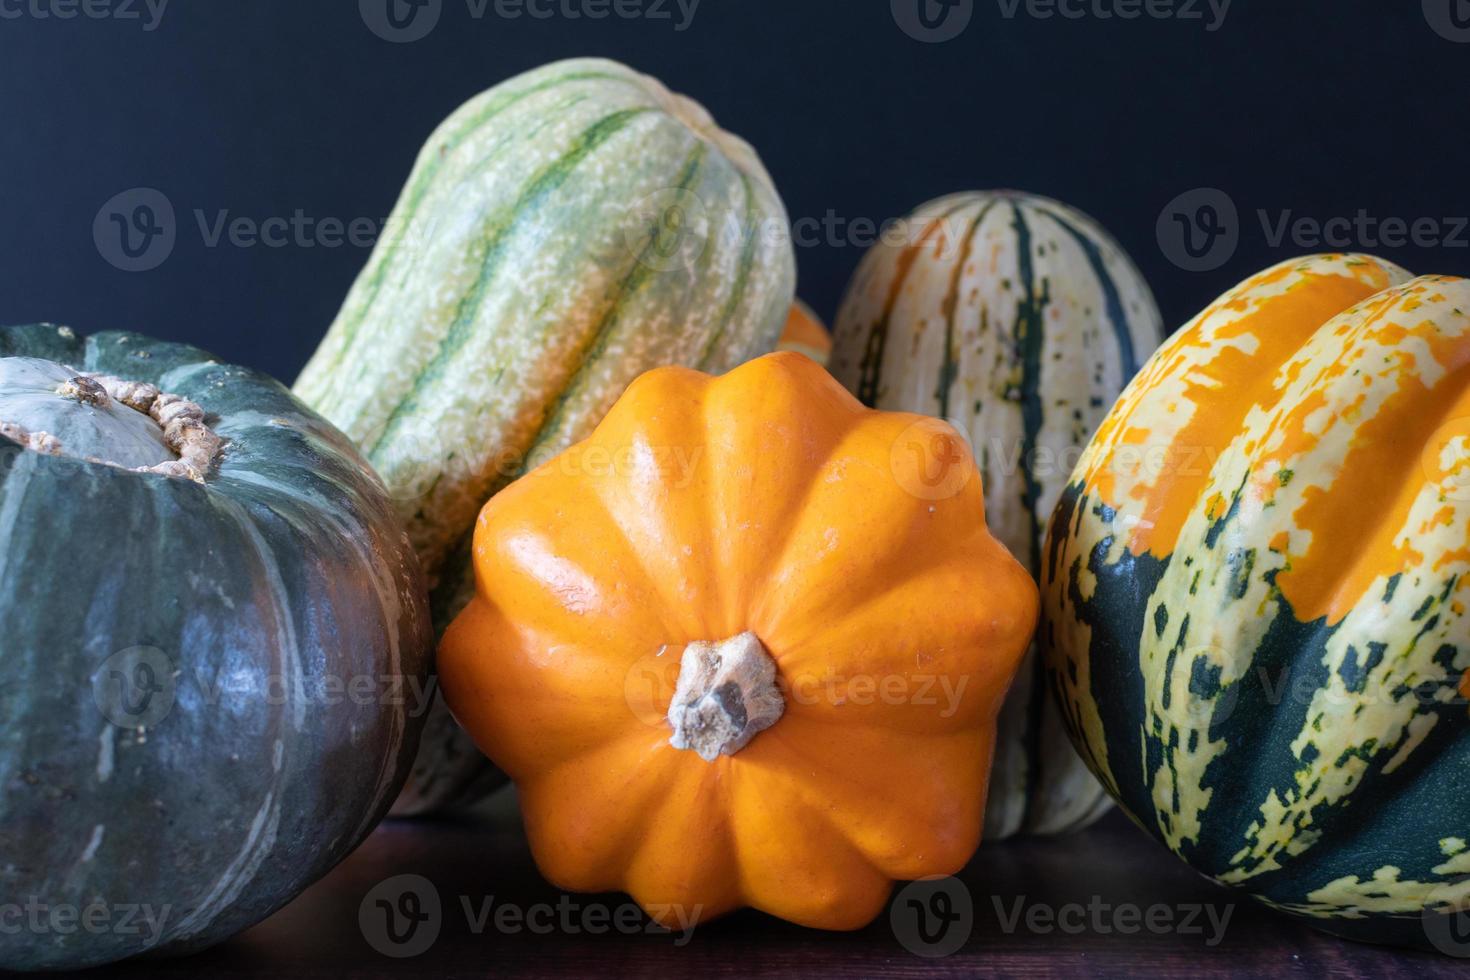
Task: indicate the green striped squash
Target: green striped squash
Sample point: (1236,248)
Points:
(560,234)
(1019,320)
(1255,593)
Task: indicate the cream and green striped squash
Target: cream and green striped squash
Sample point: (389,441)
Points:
(560,234)
(1019,320)
(1255,593)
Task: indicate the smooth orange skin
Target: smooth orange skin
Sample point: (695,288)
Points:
(770,500)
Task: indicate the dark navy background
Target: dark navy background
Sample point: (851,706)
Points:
(264,107)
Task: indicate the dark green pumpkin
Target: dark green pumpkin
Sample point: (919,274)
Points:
(210,688)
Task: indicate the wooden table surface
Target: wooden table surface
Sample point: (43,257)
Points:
(1108,902)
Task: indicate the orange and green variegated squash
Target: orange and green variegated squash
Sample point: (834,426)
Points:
(1255,593)
(743,646)
(1019,320)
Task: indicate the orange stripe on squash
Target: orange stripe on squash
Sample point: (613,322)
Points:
(1385,371)
(1222,389)
(1356,523)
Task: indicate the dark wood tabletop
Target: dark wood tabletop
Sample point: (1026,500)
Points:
(466,901)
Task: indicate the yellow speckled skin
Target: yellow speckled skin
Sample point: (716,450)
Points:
(1255,594)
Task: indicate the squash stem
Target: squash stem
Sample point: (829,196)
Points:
(179,423)
(726,695)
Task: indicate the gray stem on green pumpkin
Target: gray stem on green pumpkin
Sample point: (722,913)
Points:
(180,423)
(725,696)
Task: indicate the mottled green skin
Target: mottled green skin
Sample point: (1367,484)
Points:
(1273,687)
(284,573)
(1395,819)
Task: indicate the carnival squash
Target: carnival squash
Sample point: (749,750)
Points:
(560,234)
(1256,587)
(214,648)
(1018,320)
(744,646)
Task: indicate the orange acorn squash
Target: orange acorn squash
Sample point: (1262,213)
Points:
(744,646)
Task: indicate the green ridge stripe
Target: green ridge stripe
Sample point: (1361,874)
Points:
(870,367)
(420,184)
(640,273)
(950,368)
(1117,316)
(457,570)
(459,330)
(1029,337)
(742,274)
